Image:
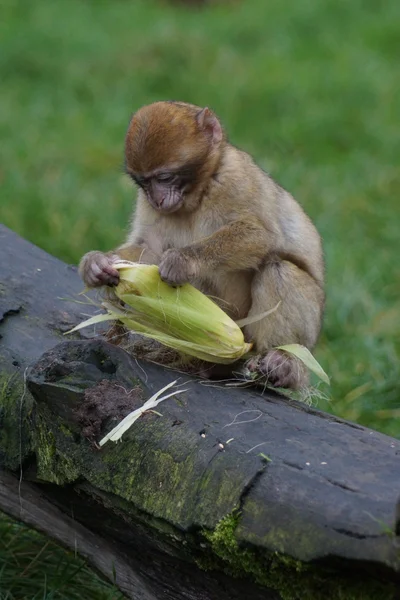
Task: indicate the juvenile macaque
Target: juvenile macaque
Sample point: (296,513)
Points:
(208,215)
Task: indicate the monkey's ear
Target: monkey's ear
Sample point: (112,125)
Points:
(209,123)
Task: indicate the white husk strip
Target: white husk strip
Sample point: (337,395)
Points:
(93,321)
(115,434)
(256,318)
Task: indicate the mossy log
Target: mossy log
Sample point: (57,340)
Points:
(225,494)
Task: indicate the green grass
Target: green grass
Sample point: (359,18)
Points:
(310,88)
(34,568)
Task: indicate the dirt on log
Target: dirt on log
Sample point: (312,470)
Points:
(224,494)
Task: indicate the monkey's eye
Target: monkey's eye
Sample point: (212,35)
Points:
(165,177)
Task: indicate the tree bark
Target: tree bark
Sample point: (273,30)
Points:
(225,494)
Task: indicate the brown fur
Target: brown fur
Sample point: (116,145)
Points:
(238,236)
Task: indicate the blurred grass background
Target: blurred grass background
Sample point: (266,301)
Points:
(310,88)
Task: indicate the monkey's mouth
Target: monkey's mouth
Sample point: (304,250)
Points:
(168,205)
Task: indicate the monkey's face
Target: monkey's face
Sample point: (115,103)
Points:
(170,150)
(163,190)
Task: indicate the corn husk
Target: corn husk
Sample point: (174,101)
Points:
(118,431)
(181,318)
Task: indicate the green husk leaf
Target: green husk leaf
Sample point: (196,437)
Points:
(302,353)
(181,318)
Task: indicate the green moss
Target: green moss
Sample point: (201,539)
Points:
(15,428)
(153,478)
(222,538)
(66,431)
(293,579)
(141,480)
(53,465)
(32,318)
(310,540)
(45,453)
(22,431)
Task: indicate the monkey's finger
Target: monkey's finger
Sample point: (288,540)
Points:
(107,279)
(171,278)
(113,281)
(91,276)
(171,282)
(98,276)
(109,269)
(105,271)
(105,263)
(253,364)
(172,275)
(92,282)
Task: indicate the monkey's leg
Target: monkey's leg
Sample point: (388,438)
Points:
(297,320)
(136,253)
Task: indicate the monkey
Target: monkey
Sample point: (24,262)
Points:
(207,214)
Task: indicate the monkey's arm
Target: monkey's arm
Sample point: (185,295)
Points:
(242,244)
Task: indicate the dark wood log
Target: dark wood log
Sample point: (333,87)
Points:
(25,502)
(229,494)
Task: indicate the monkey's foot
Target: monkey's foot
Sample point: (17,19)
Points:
(280,369)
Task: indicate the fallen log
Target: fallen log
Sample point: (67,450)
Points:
(225,493)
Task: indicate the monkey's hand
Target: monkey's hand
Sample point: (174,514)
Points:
(96,269)
(176,268)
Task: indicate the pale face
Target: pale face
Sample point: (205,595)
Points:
(170,150)
(166,189)
(162,191)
